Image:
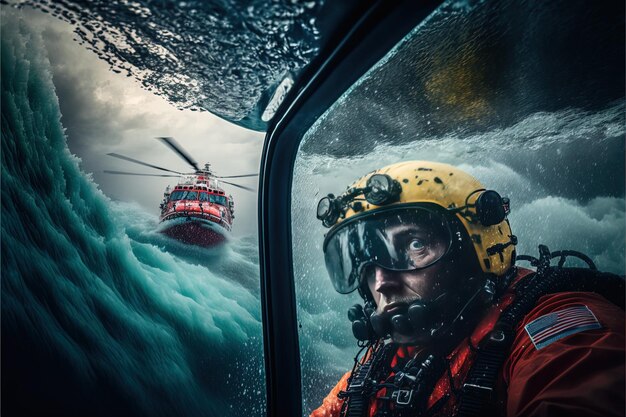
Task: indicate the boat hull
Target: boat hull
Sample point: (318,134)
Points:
(194,230)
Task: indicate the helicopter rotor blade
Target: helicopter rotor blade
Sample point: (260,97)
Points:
(179,150)
(240,186)
(239,176)
(135,161)
(106,171)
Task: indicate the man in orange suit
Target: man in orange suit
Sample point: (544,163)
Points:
(450,325)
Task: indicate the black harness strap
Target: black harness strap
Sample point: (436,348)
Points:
(363,379)
(477,392)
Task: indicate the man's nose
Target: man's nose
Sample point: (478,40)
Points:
(386,280)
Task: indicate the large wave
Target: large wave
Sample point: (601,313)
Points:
(101,316)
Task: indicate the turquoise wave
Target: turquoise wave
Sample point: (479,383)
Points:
(100,315)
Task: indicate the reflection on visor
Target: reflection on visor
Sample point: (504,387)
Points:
(401,239)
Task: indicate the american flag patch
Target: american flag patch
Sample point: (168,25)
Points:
(556,325)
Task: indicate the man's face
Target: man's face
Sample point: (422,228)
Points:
(393,290)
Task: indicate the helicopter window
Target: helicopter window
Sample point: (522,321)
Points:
(473,87)
(204,197)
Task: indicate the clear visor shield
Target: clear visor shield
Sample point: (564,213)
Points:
(399,239)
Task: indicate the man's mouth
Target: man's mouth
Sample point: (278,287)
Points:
(392,307)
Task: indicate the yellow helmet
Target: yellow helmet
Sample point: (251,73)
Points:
(481,212)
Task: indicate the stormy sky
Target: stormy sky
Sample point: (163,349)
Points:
(107,112)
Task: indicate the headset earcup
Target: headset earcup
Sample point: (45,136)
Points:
(401,324)
(362,330)
(380,325)
(361,327)
(490,208)
(418,315)
(356,312)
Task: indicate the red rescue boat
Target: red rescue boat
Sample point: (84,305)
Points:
(197,210)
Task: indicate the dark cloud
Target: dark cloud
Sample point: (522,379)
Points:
(77,78)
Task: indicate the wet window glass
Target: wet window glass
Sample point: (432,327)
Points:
(204,197)
(527,98)
(192,195)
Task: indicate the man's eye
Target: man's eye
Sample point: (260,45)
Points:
(416,244)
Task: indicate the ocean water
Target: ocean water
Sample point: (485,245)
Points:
(100,315)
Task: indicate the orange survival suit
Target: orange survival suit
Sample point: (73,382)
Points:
(573,367)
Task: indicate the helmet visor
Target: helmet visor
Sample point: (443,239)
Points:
(399,239)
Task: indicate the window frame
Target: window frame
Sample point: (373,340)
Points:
(378,30)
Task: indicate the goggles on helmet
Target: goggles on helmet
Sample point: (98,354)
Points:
(380,189)
(399,238)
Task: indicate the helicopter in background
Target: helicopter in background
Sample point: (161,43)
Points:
(196,210)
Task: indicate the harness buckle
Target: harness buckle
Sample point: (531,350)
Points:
(478,391)
(358,384)
(402,396)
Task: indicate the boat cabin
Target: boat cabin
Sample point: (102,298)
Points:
(199,192)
